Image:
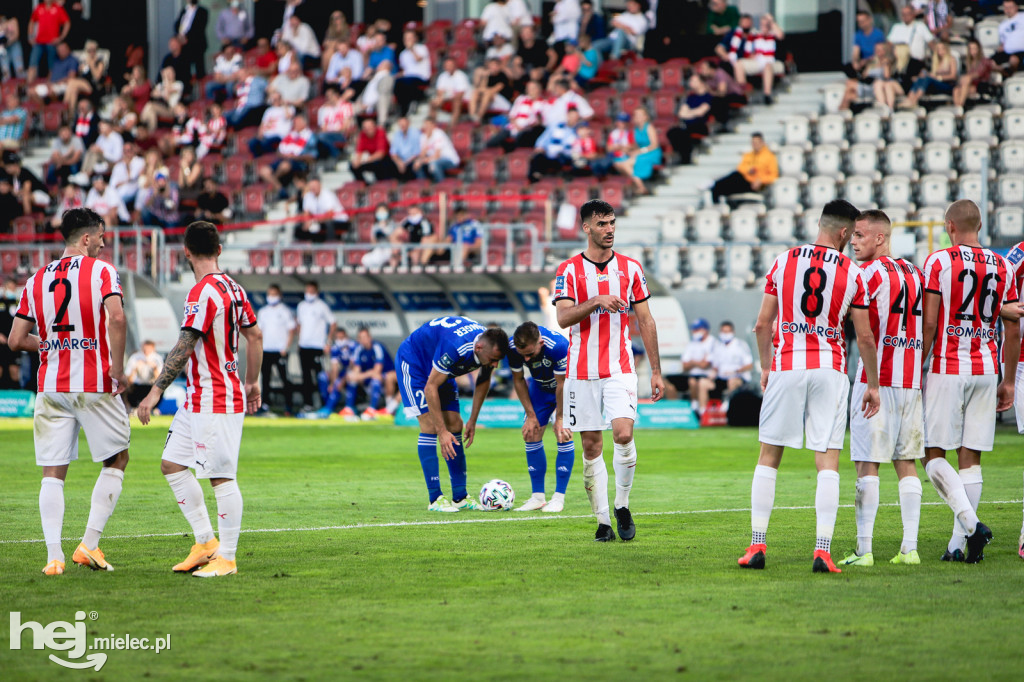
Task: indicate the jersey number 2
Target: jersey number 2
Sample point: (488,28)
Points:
(62,307)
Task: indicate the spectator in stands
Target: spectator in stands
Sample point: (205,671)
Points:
(48,25)
(189,177)
(405,147)
(27,186)
(12,121)
(731,359)
(212,205)
(501,49)
(887,85)
(525,120)
(336,122)
(491,92)
(565,21)
(338,33)
(213,132)
(416,229)
(565,98)
(124,177)
(495,20)
(184,131)
(276,123)
(163,98)
(645,154)
(910,38)
(367,41)
(865,39)
(627,30)
(63,70)
(693,120)
(154,162)
(938,18)
(437,153)
(191,32)
(591,22)
(266,59)
(377,95)
(234,26)
(587,158)
(722,19)
(10,204)
(162,205)
(345,69)
(752,53)
(92,72)
(303,40)
(372,154)
(138,88)
(466,230)
(519,14)
(331,221)
(451,89)
(697,363)
(12,58)
(531,55)
(294,152)
(177,60)
(66,155)
(105,200)
(757,169)
(381,52)
(87,124)
(940,79)
(292,85)
(414,72)
(71,196)
(226,68)
(142,369)
(381,232)
(105,151)
(554,147)
(977,70)
(1011,39)
(590,62)
(620,139)
(726,93)
(250,94)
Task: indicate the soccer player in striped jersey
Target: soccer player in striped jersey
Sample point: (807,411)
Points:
(428,362)
(545,352)
(1015,259)
(810,289)
(206,433)
(594,293)
(895,290)
(967,288)
(75,303)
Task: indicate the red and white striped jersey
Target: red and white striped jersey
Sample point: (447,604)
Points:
(815,285)
(216,308)
(65,300)
(599,345)
(1015,258)
(974,284)
(895,293)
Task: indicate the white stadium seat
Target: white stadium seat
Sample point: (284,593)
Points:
(896,214)
(743,225)
(667,265)
(739,266)
(933,190)
(859,191)
(972,156)
(832,97)
(821,189)
(701,262)
(1011,189)
(862,159)
(797,131)
(785,193)
(900,159)
(987,33)
(1013,92)
(896,191)
(1011,156)
(867,129)
(827,160)
(780,224)
(673,227)
(832,130)
(809,223)
(707,226)
(970,187)
(791,161)
(1009,221)
(937,157)
(904,127)
(1013,124)
(936,215)
(941,127)
(979,125)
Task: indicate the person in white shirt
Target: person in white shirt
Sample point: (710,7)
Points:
(437,153)
(277,322)
(1011,39)
(565,21)
(376,96)
(346,68)
(697,362)
(317,201)
(415,72)
(105,200)
(335,121)
(564,99)
(124,178)
(495,19)
(500,49)
(226,68)
(276,124)
(731,359)
(452,88)
(303,40)
(518,14)
(913,34)
(627,29)
(105,151)
(142,369)
(316,325)
(292,85)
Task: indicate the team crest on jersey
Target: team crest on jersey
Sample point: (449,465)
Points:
(1015,256)
(560,283)
(446,361)
(191,308)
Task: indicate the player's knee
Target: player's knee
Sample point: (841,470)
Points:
(118,461)
(167,468)
(622,435)
(453,421)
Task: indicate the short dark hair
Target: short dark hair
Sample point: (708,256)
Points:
(364,329)
(527,333)
(863,11)
(726,323)
(75,221)
(313,283)
(595,207)
(497,338)
(840,208)
(757,134)
(202,239)
(874,215)
(274,285)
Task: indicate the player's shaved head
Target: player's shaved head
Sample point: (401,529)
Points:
(497,339)
(964,215)
(202,239)
(875,221)
(526,335)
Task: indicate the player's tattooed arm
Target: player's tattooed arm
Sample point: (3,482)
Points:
(176,359)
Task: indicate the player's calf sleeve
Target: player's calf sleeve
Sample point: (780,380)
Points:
(536,465)
(951,489)
(910,509)
(351,393)
(375,390)
(865,510)
(457,470)
(189,496)
(323,383)
(595,480)
(563,465)
(427,449)
(624,464)
(51,512)
(104,499)
(229,517)
(972,480)
(826,507)
(762,499)
(333,398)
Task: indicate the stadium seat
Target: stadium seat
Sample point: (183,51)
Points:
(969,187)
(974,157)
(791,161)
(780,224)
(809,223)
(867,129)
(979,125)
(940,126)
(862,159)
(899,159)
(53,117)
(235,172)
(673,227)
(23,227)
(638,77)
(1011,189)
(665,105)
(474,196)
(827,159)
(259,260)
(325,260)
(896,215)
(743,225)
(485,165)
(896,191)
(462,139)
(253,197)
(785,193)
(350,194)
(666,265)
(700,260)
(832,97)
(613,192)
(1013,92)
(577,192)
(1011,156)
(987,33)
(9,261)
(671,74)
(707,226)
(832,130)
(739,266)
(859,190)
(797,131)
(933,190)
(904,127)
(1009,222)
(517,164)
(1013,124)
(821,189)
(937,158)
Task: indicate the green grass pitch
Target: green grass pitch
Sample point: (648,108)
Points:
(343,574)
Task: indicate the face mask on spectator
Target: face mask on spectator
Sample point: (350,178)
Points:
(273,300)
(310,297)
(381,214)
(726,337)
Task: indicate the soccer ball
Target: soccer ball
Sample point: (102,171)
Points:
(497,495)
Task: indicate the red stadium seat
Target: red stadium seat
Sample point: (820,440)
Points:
(211,165)
(354,257)
(325,260)
(664,105)
(631,100)
(672,73)
(460,53)
(130,259)
(601,100)
(9,261)
(292,259)
(24,227)
(577,192)
(485,165)
(350,194)
(496,254)
(465,32)
(378,193)
(234,172)
(518,164)
(53,116)
(638,77)
(509,193)
(253,199)
(462,139)
(474,194)
(613,193)
(259,259)
(413,190)
(364,228)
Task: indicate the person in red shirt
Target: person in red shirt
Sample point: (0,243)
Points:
(48,25)
(372,154)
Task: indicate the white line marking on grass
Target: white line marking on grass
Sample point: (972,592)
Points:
(493,519)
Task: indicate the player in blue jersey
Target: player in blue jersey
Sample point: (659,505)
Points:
(544,352)
(370,369)
(428,362)
(343,351)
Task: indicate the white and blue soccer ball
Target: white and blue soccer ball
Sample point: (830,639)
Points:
(497,495)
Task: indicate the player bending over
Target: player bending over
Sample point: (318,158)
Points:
(544,352)
(895,290)
(429,360)
(206,433)
(967,288)
(809,289)
(594,293)
(75,302)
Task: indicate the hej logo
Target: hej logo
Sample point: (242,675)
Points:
(59,636)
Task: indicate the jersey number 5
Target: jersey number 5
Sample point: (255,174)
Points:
(812,302)
(62,307)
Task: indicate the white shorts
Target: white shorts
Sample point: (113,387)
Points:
(60,416)
(208,443)
(799,401)
(895,433)
(960,411)
(592,404)
(1018,397)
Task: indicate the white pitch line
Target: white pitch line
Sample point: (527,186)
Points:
(503,519)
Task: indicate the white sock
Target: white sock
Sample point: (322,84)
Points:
(624,463)
(951,489)
(866,509)
(229,517)
(595,480)
(762,499)
(104,499)
(51,512)
(910,508)
(971,478)
(189,496)
(826,507)
(538,496)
